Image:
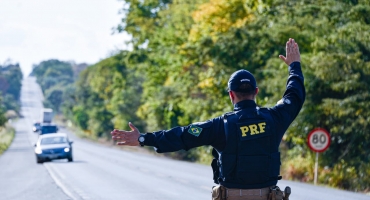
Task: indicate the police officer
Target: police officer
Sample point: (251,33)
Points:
(245,141)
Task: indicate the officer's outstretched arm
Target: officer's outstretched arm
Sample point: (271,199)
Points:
(128,138)
(292,52)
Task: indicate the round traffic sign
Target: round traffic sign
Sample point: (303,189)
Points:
(318,140)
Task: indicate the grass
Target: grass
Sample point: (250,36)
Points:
(6,137)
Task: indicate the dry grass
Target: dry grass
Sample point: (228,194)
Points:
(6,137)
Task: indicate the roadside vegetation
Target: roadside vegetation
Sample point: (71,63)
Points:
(6,137)
(184,52)
(56,80)
(10,91)
(10,88)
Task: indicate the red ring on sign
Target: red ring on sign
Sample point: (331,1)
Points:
(314,131)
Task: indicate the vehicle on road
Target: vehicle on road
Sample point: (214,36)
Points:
(36,127)
(47,115)
(53,146)
(48,128)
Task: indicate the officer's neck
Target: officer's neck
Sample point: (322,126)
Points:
(237,100)
(243,104)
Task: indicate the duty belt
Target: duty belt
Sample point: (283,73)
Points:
(247,192)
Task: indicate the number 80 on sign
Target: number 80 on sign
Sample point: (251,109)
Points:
(318,140)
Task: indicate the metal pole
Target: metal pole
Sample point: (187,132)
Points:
(316,166)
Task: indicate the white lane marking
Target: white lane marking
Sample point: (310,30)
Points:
(54,176)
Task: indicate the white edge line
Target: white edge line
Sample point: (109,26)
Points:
(59,183)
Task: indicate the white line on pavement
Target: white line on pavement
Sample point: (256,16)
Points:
(53,173)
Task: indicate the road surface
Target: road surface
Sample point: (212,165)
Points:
(104,172)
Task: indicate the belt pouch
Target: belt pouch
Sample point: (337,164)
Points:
(218,193)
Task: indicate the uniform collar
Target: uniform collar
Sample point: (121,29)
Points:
(244,104)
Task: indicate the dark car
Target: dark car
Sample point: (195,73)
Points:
(48,128)
(53,146)
(36,127)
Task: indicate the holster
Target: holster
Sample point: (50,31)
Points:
(218,193)
(215,167)
(275,193)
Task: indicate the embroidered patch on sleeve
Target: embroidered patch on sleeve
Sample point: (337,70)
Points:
(195,130)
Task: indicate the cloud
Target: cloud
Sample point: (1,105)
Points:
(33,31)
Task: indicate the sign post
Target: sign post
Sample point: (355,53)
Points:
(318,140)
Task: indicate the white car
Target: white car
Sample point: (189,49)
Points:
(53,146)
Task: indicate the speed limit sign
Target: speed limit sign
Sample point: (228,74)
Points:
(318,140)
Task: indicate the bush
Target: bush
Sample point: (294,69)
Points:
(6,138)
(299,168)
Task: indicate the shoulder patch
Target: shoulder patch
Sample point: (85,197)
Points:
(195,130)
(287,101)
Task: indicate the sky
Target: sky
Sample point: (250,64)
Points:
(32,31)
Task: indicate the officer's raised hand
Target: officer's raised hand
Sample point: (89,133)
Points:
(292,52)
(128,138)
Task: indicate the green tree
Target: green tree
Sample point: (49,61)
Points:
(55,78)
(10,86)
(2,114)
(54,98)
(107,95)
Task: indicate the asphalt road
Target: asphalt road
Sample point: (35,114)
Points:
(103,172)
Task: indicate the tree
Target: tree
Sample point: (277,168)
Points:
(107,95)
(54,77)
(54,98)
(10,86)
(3,119)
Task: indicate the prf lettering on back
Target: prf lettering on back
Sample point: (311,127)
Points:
(253,129)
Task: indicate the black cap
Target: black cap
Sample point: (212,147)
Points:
(241,77)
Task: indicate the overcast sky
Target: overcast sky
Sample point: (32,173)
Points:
(32,31)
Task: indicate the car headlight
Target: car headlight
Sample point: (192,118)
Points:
(38,151)
(66,149)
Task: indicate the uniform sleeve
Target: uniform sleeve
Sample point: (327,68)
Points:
(194,135)
(287,109)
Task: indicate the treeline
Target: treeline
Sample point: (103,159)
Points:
(10,89)
(56,79)
(185,50)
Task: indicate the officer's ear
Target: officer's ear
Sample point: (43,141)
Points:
(232,96)
(255,94)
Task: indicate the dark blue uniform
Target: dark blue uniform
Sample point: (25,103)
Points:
(249,142)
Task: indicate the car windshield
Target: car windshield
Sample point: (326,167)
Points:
(54,140)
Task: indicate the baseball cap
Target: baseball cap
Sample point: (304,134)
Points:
(241,77)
